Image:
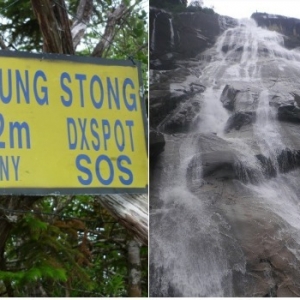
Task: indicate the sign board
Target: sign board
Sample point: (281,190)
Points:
(71,125)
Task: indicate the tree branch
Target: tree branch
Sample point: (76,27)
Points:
(131,211)
(111,26)
(83,15)
(2,45)
(145,45)
(63,204)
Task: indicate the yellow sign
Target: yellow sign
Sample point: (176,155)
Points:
(71,124)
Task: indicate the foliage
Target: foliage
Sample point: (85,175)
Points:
(67,248)
(194,6)
(71,246)
(20,30)
(20,26)
(167,4)
(205,10)
(197,3)
(170,6)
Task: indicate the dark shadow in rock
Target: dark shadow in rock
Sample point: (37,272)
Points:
(268,168)
(288,160)
(225,48)
(272,292)
(222,165)
(228,97)
(157,143)
(158,286)
(184,120)
(288,27)
(296,98)
(239,119)
(225,165)
(246,174)
(289,113)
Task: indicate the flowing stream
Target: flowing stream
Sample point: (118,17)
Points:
(153,44)
(194,248)
(171,33)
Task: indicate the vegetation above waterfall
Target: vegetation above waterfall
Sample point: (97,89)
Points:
(178,6)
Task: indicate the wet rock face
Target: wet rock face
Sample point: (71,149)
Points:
(157,143)
(196,32)
(160,41)
(289,113)
(290,27)
(239,119)
(187,33)
(296,98)
(288,160)
(267,165)
(174,93)
(228,97)
(184,120)
(217,163)
(217,159)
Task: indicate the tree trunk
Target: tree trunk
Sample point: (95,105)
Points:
(134,261)
(131,211)
(55,26)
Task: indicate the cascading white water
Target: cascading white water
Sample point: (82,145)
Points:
(266,129)
(171,33)
(213,115)
(188,232)
(153,34)
(189,239)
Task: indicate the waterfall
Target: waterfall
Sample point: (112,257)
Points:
(188,232)
(267,130)
(153,34)
(171,33)
(210,223)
